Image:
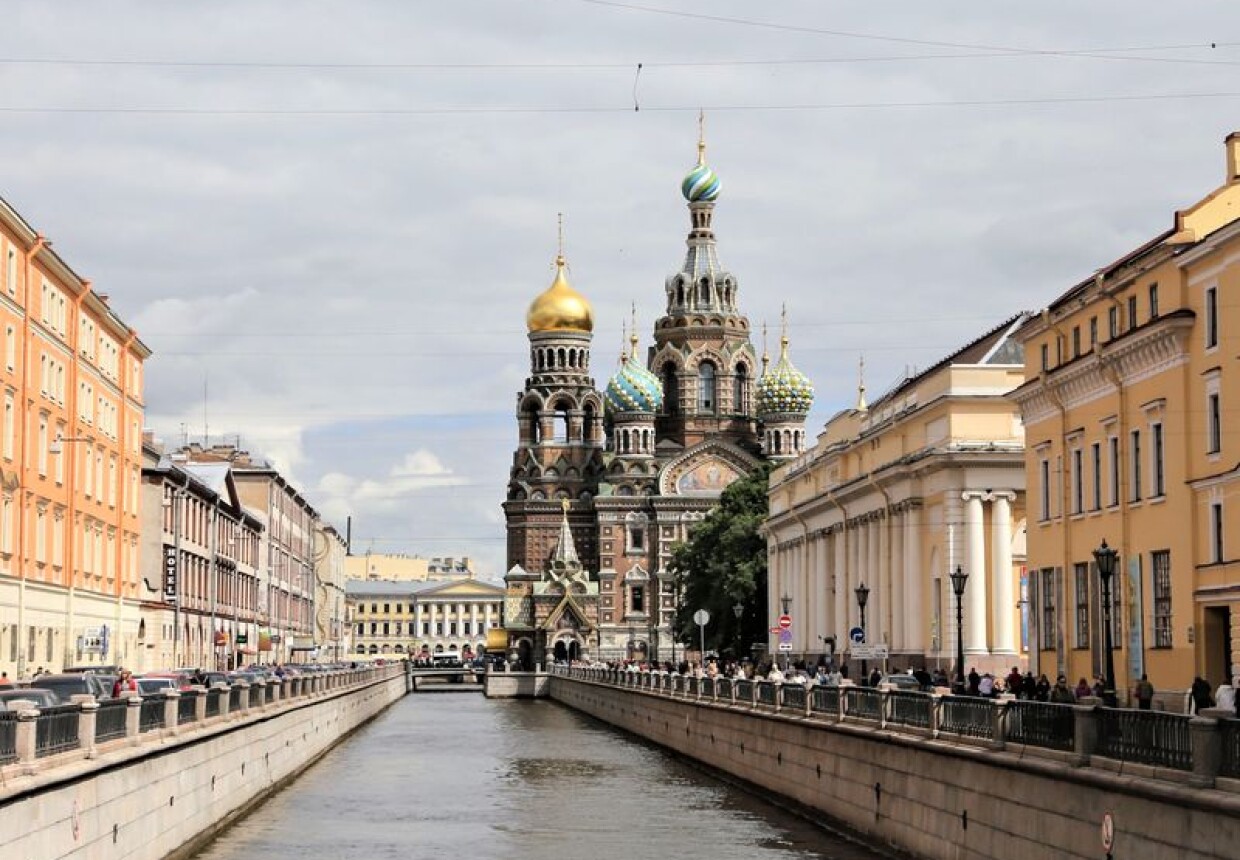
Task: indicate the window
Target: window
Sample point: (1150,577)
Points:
(11,268)
(637,537)
(1161,562)
(740,396)
(1078,476)
(1080,585)
(1093,332)
(706,387)
(1211,327)
(1132,312)
(1044,487)
(1153,301)
(639,598)
(1047,596)
(1076,341)
(1214,424)
(466,628)
(1216,532)
(1096,456)
(671,396)
(1113,322)
(1156,457)
(10,348)
(451,628)
(1046,360)
(1135,456)
(1113,450)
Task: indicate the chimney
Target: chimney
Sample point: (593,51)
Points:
(1233,156)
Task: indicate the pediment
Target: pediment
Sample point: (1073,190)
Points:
(705,470)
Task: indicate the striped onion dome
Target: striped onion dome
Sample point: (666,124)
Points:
(633,388)
(700,183)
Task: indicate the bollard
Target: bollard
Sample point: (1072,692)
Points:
(225,698)
(172,701)
(244,698)
(87,720)
(936,713)
(1084,734)
(998,726)
(200,703)
(809,701)
(133,717)
(779,696)
(1207,740)
(27,728)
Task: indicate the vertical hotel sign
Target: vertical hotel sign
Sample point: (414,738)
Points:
(170,574)
(1136,627)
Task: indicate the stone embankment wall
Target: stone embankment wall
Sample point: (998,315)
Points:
(931,798)
(165,796)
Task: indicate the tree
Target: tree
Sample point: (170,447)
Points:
(723,563)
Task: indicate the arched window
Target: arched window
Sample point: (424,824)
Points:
(671,396)
(706,387)
(560,427)
(740,391)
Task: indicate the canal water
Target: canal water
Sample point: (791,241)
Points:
(443,775)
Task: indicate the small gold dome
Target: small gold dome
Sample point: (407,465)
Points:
(560,307)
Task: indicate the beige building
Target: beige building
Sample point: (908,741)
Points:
(407,568)
(71,379)
(398,619)
(894,496)
(330,553)
(1130,377)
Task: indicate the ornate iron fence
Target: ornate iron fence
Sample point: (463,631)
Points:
(152,714)
(744,691)
(1230,764)
(8,736)
(110,719)
(766,693)
(910,709)
(794,696)
(1041,724)
(708,688)
(826,700)
(234,700)
(863,702)
(56,730)
(187,707)
(213,702)
(1148,737)
(963,715)
(723,688)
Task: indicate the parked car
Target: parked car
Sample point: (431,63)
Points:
(901,681)
(180,680)
(67,685)
(41,698)
(98,670)
(154,686)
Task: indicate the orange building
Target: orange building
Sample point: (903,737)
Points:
(70,463)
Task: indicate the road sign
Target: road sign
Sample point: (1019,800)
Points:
(856,635)
(785,636)
(777,629)
(877,651)
(785,646)
(1108,832)
(785,621)
(701,618)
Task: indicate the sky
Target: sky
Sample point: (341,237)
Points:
(327,220)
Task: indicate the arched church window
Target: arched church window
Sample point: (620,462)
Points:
(704,292)
(560,423)
(680,295)
(638,601)
(671,396)
(562,357)
(740,390)
(707,401)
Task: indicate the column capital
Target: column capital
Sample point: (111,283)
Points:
(975,495)
(1002,495)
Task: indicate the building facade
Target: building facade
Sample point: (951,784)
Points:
(201,567)
(395,620)
(604,483)
(896,495)
(1130,376)
(71,372)
(330,552)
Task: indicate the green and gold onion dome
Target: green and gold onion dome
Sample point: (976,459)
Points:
(560,307)
(784,389)
(633,388)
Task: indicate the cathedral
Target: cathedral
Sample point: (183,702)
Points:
(604,483)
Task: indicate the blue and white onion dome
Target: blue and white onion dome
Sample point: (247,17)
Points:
(784,389)
(700,183)
(633,388)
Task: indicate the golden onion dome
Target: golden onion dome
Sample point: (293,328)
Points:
(560,307)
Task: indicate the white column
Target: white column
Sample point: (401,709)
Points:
(1001,549)
(895,534)
(878,585)
(975,567)
(915,608)
(839,594)
(820,582)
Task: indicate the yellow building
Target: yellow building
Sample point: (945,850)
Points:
(1130,375)
(396,619)
(70,459)
(896,495)
(407,568)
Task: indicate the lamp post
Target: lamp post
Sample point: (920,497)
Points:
(863,597)
(738,609)
(959,579)
(1105,557)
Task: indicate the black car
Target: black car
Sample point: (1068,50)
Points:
(67,685)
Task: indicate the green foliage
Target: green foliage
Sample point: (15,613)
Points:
(723,563)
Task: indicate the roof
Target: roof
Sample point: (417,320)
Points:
(424,588)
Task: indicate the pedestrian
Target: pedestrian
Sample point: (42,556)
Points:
(1061,694)
(1015,682)
(1144,693)
(1029,687)
(4,679)
(975,682)
(1042,690)
(1083,690)
(1199,695)
(986,686)
(876,675)
(124,683)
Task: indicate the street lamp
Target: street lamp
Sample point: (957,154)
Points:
(1105,557)
(959,578)
(738,609)
(785,602)
(863,596)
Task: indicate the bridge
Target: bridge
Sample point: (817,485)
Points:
(461,678)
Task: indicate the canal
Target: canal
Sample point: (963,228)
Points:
(442,775)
